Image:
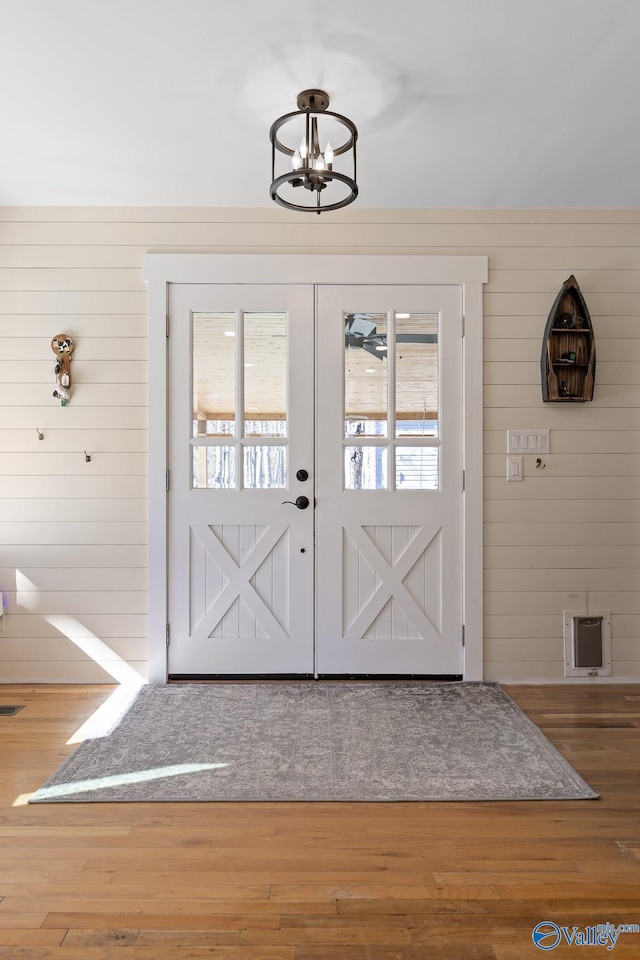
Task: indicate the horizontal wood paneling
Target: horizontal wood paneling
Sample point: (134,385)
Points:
(99,555)
(26,579)
(110,414)
(563,511)
(558,556)
(68,441)
(105,626)
(504,580)
(569,534)
(66,279)
(581,533)
(90,371)
(61,464)
(73,486)
(64,648)
(70,671)
(75,602)
(538,603)
(542,487)
(36,326)
(95,399)
(72,532)
(47,509)
(295,233)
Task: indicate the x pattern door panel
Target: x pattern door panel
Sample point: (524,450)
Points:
(392,582)
(239,581)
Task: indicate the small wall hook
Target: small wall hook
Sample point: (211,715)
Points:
(539,464)
(40,434)
(87,457)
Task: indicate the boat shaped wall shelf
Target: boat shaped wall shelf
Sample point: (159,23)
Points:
(568,361)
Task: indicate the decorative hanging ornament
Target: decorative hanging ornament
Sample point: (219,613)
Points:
(62,346)
(310,156)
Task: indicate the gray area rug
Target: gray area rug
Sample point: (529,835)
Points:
(318,741)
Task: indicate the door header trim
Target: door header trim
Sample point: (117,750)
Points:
(301,268)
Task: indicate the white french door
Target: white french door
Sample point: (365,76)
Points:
(389,476)
(315,503)
(241,558)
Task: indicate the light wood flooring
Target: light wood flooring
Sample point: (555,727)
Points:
(326,881)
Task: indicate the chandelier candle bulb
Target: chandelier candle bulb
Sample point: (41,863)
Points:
(328,156)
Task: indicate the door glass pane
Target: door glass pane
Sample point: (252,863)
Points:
(214,468)
(265,374)
(265,467)
(365,468)
(214,375)
(417,468)
(417,375)
(365,374)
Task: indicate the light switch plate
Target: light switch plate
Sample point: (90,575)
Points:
(514,469)
(527,441)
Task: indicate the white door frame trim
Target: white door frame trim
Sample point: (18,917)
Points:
(161,270)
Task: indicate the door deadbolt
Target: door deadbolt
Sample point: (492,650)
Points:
(300,502)
(302,475)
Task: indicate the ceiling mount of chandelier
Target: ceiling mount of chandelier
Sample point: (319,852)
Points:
(304,155)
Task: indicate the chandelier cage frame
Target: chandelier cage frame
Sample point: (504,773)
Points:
(312,104)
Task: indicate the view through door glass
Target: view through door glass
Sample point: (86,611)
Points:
(246,353)
(397,446)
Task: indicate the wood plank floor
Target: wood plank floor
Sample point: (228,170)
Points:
(326,881)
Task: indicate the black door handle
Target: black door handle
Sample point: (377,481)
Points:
(300,502)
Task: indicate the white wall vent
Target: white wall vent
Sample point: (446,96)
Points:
(587,643)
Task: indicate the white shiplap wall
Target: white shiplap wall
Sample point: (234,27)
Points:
(73,534)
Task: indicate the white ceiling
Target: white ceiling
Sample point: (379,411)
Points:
(459,103)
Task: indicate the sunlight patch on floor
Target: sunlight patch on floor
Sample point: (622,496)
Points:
(125,779)
(108,714)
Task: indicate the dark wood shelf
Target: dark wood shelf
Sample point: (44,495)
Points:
(566,381)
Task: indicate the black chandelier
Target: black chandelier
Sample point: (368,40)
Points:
(309,157)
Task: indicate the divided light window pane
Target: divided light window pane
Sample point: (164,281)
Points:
(214,467)
(214,375)
(365,468)
(417,468)
(265,374)
(417,371)
(365,375)
(265,467)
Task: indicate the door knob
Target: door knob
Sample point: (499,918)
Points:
(300,502)
(302,475)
